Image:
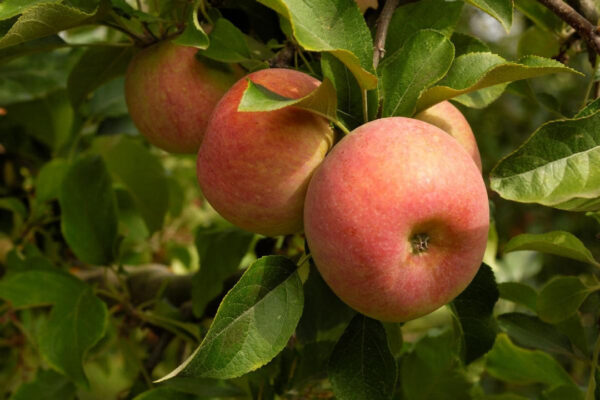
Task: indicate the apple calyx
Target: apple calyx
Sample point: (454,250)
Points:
(419,243)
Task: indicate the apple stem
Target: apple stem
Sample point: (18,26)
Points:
(420,243)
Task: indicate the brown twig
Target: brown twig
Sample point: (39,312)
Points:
(383,23)
(585,28)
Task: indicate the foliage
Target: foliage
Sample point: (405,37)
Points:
(118,281)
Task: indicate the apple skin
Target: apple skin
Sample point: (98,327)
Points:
(254,167)
(448,118)
(170,95)
(382,185)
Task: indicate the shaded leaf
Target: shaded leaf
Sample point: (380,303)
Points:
(89,212)
(49,180)
(253,324)
(142,173)
(554,167)
(334,26)
(41,45)
(325,315)
(96,66)
(558,243)
(423,60)
(53,118)
(531,332)
(78,319)
(519,293)
(321,101)
(431,372)
(561,297)
(590,109)
(474,308)
(464,44)
(47,385)
(164,393)
(34,77)
(513,364)
(220,252)
(474,71)
(361,366)
(540,15)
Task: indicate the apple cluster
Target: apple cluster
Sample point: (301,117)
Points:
(395,214)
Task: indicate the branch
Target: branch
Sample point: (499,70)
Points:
(383,23)
(585,28)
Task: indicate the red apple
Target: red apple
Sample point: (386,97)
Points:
(254,167)
(449,119)
(396,219)
(170,95)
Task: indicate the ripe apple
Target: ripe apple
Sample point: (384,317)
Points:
(449,119)
(396,219)
(254,167)
(170,94)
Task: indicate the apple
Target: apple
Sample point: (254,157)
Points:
(170,94)
(449,118)
(254,167)
(396,219)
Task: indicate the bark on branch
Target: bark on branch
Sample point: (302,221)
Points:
(383,23)
(587,30)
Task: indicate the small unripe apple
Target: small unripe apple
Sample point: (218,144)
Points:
(396,219)
(170,94)
(254,167)
(449,119)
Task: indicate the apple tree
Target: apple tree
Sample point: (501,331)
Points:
(286,199)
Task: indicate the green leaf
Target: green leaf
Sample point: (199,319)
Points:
(220,252)
(96,66)
(361,366)
(590,109)
(438,15)
(108,100)
(78,319)
(513,364)
(325,316)
(538,42)
(531,332)
(474,308)
(142,173)
(502,10)
(253,324)
(474,71)
(334,26)
(423,60)
(431,371)
(47,385)
(227,43)
(43,19)
(560,298)
(321,101)
(554,167)
(193,35)
(11,8)
(519,293)
(558,243)
(89,212)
